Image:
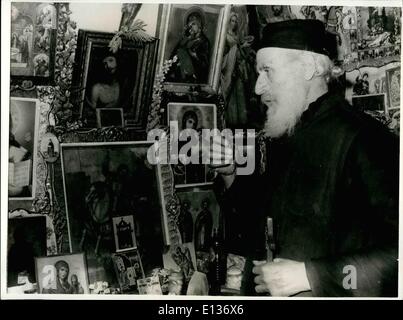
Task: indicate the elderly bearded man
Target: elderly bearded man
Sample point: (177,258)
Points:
(331,184)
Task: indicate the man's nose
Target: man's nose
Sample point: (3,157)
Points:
(261,84)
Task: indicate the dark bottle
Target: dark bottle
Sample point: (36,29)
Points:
(217,270)
(203,228)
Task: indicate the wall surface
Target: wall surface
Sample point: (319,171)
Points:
(106,16)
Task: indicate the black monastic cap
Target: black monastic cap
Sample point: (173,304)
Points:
(309,35)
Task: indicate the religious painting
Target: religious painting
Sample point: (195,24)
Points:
(129,269)
(22,158)
(238,71)
(62,274)
(393,85)
(33,41)
(195,34)
(104,182)
(181,258)
(198,217)
(103,79)
(195,116)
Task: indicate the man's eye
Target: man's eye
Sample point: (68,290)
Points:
(266,69)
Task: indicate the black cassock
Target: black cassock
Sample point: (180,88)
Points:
(332,191)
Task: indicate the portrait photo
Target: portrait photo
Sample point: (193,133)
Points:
(195,34)
(26,240)
(22,158)
(196,116)
(33,41)
(113,80)
(198,217)
(370,102)
(124,233)
(62,274)
(393,87)
(103,181)
(129,269)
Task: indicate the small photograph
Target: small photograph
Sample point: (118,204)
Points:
(24,118)
(371,102)
(198,217)
(62,274)
(50,147)
(128,269)
(149,286)
(26,240)
(181,258)
(108,117)
(393,87)
(124,233)
(195,116)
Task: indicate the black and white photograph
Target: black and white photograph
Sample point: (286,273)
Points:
(62,274)
(26,240)
(103,181)
(129,269)
(113,80)
(195,34)
(23,141)
(33,41)
(164,150)
(124,233)
(198,218)
(195,116)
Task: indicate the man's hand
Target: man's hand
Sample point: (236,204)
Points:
(221,155)
(282,277)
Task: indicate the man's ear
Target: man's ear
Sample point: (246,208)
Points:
(309,66)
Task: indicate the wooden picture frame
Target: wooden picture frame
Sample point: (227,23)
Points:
(47,274)
(133,73)
(208,48)
(106,180)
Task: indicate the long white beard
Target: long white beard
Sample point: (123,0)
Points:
(284,113)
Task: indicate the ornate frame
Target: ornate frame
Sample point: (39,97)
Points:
(146,54)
